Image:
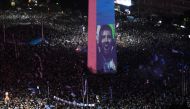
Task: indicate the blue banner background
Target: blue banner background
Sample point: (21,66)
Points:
(105,12)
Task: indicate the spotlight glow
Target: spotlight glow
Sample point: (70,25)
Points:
(124,2)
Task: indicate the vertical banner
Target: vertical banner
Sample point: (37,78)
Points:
(92,35)
(105,42)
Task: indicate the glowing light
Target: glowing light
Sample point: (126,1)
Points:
(123,2)
(36,1)
(6,93)
(174,24)
(127,11)
(182,26)
(13,3)
(29,1)
(159,21)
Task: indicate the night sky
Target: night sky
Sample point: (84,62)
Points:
(72,4)
(75,4)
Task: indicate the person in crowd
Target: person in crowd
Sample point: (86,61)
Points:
(7,99)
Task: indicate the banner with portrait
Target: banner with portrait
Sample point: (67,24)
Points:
(105,36)
(105,42)
(106,48)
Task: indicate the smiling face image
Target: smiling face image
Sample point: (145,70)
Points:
(106,40)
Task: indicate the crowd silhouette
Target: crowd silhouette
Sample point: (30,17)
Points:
(153,64)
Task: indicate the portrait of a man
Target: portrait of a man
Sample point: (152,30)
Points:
(106,48)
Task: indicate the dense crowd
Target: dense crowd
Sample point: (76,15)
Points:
(153,64)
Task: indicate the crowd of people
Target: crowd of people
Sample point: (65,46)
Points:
(152,64)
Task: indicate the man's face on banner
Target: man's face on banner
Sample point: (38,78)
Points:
(106,41)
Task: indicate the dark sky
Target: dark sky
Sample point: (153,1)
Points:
(79,3)
(72,4)
(75,4)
